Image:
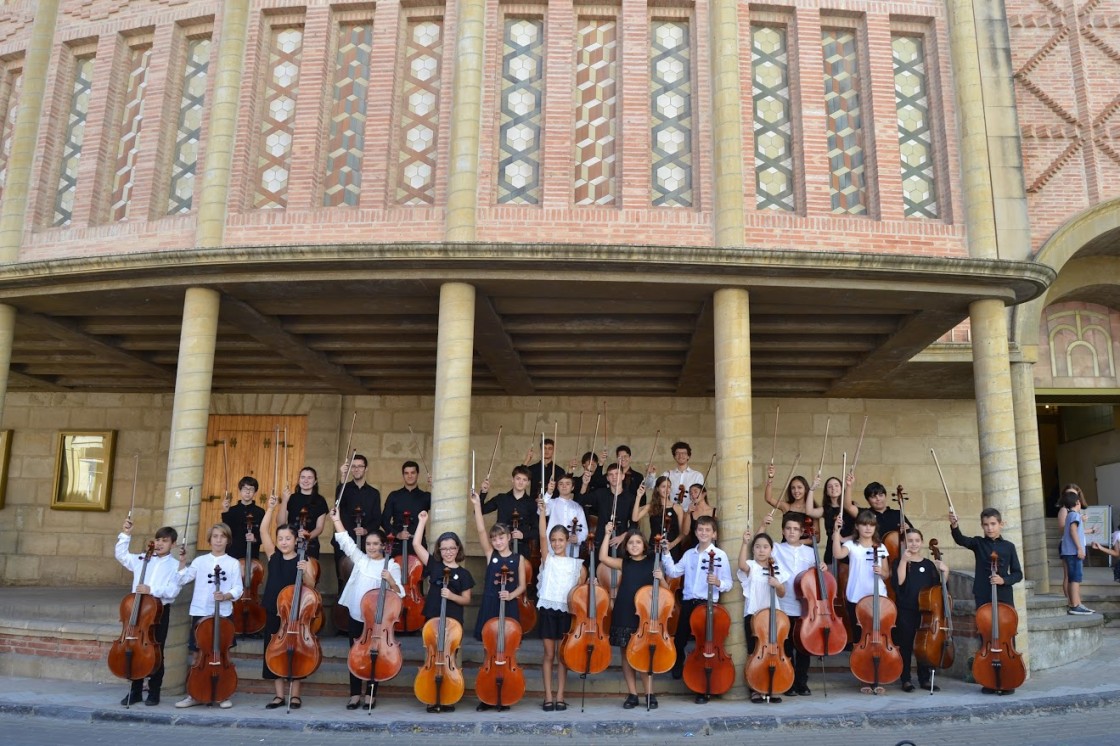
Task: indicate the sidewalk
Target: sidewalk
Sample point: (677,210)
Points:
(1087,685)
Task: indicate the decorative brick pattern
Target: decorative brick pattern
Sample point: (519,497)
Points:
(416,160)
(911,94)
(13,87)
(519,165)
(773,136)
(184,164)
(845,125)
(72,141)
(132,120)
(671,109)
(278,118)
(596,111)
(346,139)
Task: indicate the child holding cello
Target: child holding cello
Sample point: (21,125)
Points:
(279,545)
(912,574)
(862,575)
(559,575)
(756,578)
(795,557)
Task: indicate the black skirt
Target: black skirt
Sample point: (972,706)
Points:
(620,636)
(553,624)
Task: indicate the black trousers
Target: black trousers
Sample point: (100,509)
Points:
(357,686)
(684,629)
(801,659)
(155,679)
(905,630)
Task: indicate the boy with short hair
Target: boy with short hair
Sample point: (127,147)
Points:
(1073,553)
(563,508)
(793,556)
(517,499)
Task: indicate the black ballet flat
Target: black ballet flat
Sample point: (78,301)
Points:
(907,686)
(352,704)
(561,705)
(296,703)
(483,707)
(277,702)
(630,702)
(548,706)
(702,699)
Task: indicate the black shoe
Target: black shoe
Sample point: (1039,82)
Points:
(1005,692)
(152,700)
(630,702)
(652,702)
(501,708)
(987,690)
(803,691)
(483,707)
(775,700)
(702,699)
(354,703)
(925,685)
(441,708)
(791,693)
(132,698)
(907,686)
(678,671)
(276,702)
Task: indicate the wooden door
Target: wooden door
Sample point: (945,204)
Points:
(267,447)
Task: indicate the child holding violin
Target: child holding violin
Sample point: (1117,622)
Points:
(279,546)
(795,557)
(370,569)
(757,578)
(160,581)
(207,594)
(636,568)
(912,574)
(559,575)
(697,577)
(238,517)
(561,509)
(865,566)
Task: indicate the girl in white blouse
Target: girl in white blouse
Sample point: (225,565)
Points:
(559,575)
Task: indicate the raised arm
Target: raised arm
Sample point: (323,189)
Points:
(268,534)
(605,558)
(418,547)
(811,508)
(846,500)
(839,551)
(480,525)
(768,493)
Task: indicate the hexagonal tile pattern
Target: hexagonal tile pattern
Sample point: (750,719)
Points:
(342,179)
(185,159)
(419,123)
(773,158)
(519,128)
(919,187)
(671,108)
(281,90)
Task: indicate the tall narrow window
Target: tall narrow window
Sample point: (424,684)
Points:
(346,139)
(596,111)
(773,137)
(9,108)
(131,122)
(72,141)
(519,166)
(278,119)
(184,161)
(416,159)
(671,107)
(911,95)
(845,127)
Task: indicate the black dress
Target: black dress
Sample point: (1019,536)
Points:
(281,573)
(636,574)
(316,506)
(490,601)
(461,580)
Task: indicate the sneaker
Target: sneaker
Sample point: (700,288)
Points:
(225,704)
(1079,610)
(187,702)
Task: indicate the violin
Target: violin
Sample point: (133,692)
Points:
(376,655)
(249,615)
(439,682)
(708,669)
(586,648)
(412,575)
(651,647)
(895,541)
(875,659)
(821,630)
(294,652)
(770,671)
(340,615)
(136,654)
(997,664)
(525,606)
(213,678)
(501,682)
(933,645)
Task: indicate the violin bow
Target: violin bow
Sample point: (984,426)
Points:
(555,435)
(606,437)
(652,452)
(536,416)
(225,468)
(135,476)
(287,474)
(345,476)
(494,453)
(276,459)
(859,445)
(595,435)
(420,454)
(774,444)
(824,448)
(187,525)
(943,484)
(789,480)
(709,471)
(579,436)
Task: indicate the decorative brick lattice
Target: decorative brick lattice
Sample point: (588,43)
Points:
(773,136)
(278,118)
(72,141)
(132,120)
(596,111)
(519,167)
(184,163)
(911,95)
(845,128)
(346,142)
(671,108)
(416,159)
(13,87)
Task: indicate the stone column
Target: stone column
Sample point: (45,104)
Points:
(727,130)
(734,441)
(1031,497)
(451,433)
(466,122)
(995,419)
(25,145)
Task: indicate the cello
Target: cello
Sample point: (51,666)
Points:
(997,665)
(651,648)
(136,654)
(587,648)
(895,541)
(820,630)
(674,583)
(340,615)
(501,682)
(770,670)
(311,577)
(875,659)
(213,677)
(708,669)
(294,651)
(525,606)
(249,616)
(376,655)
(439,682)
(933,645)
(608,576)
(412,573)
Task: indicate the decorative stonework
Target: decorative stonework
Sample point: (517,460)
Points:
(72,141)
(184,163)
(99,10)
(9,108)
(132,121)
(671,108)
(596,111)
(419,127)
(911,95)
(1079,340)
(773,137)
(277,126)
(519,166)
(845,121)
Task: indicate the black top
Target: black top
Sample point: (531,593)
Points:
(235,519)
(889,520)
(601,501)
(658,524)
(829,521)
(919,576)
(636,574)
(595,481)
(316,506)
(1008,566)
(535,476)
(489,608)
(281,573)
(461,580)
(631,481)
(526,508)
(350,496)
(396,505)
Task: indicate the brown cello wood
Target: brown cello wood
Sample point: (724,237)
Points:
(769,670)
(821,631)
(875,660)
(933,645)
(439,682)
(708,668)
(249,615)
(213,677)
(997,664)
(136,654)
(501,682)
(651,648)
(412,575)
(294,651)
(376,655)
(586,648)
(526,609)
